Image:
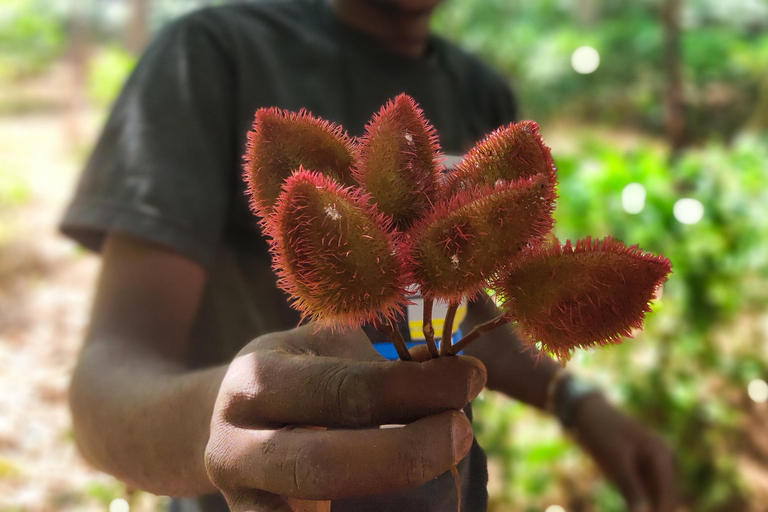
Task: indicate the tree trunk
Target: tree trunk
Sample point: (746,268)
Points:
(674,107)
(759,120)
(77,60)
(138,29)
(587,13)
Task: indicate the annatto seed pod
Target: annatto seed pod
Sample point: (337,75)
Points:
(281,142)
(461,244)
(566,297)
(397,161)
(334,253)
(508,154)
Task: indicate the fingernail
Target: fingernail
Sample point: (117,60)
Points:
(461,437)
(476,382)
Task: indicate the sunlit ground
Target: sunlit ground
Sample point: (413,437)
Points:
(46,285)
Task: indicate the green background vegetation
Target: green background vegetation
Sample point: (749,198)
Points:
(686,375)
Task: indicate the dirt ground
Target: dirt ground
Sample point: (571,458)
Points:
(46,285)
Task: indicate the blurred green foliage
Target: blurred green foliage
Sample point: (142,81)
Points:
(108,70)
(32,36)
(14,189)
(724,57)
(105,492)
(686,375)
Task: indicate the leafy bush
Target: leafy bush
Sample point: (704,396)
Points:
(722,57)
(31,35)
(107,72)
(687,378)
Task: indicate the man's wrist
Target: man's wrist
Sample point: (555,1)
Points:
(564,394)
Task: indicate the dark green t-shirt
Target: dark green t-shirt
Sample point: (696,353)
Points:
(167,167)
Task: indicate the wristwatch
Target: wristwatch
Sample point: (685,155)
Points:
(564,393)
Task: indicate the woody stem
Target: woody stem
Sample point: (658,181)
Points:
(445,341)
(478,331)
(429,330)
(393,333)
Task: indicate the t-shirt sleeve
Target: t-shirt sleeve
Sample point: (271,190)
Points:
(499,103)
(165,164)
(506,104)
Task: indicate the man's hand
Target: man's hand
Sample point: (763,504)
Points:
(298,412)
(636,460)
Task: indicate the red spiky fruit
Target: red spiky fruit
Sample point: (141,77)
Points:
(593,293)
(508,154)
(334,254)
(461,244)
(281,142)
(397,162)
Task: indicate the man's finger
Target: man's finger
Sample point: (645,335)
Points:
(333,464)
(420,353)
(259,501)
(631,486)
(661,477)
(280,388)
(309,506)
(311,339)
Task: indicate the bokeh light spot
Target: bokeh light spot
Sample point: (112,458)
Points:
(688,210)
(633,198)
(758,391)
(555,508)
(585,60)
(119,505)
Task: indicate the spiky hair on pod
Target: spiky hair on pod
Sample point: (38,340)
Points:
(334,254)
(397,161)
(461,244)
(280,142)
(594,293)
(508,154)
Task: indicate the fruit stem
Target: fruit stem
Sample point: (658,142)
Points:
(429,330)
(445,341)
(393,333)
(478,331)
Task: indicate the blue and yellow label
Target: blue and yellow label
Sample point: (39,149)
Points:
(414,317)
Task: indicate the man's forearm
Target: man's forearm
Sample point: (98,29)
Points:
(144,419)
(513,369)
